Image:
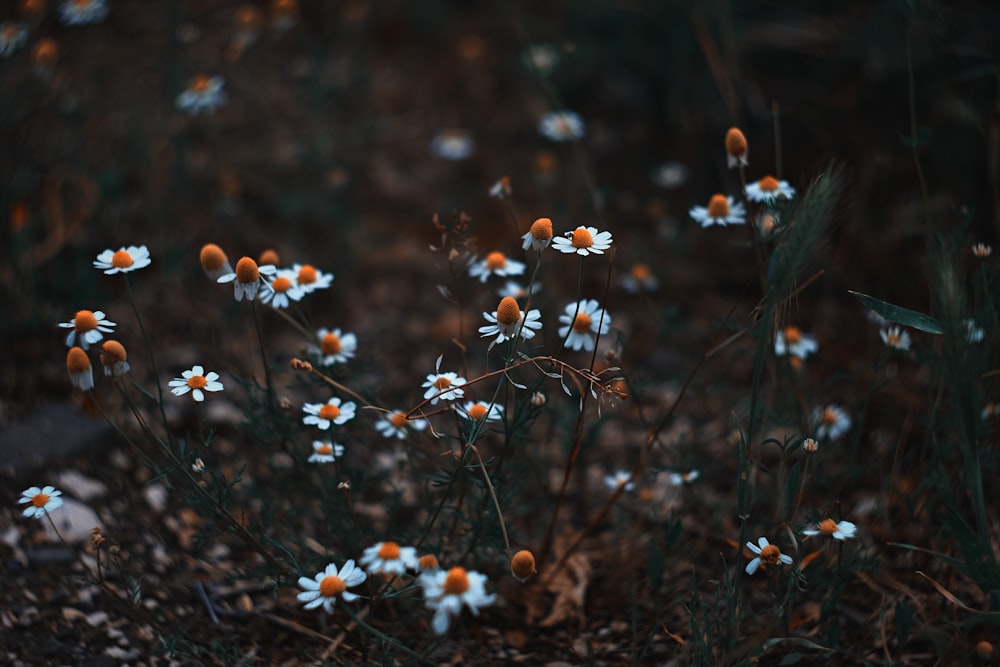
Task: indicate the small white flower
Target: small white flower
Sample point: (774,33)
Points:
(40,501)
(81,372)
(501,189)
(80,12)
(640,278)
(508,321)
(124,260)
(283,289)
(669,175)
(896,338)
(446,592)
(334,346)
(791,340)
(679,478)
(325,452)
(204,93)
(542,58)
(721,210)
(389,558)
(989,410)
(395,425)
(831,422)
(12,37)
(766,553)
(583,241)
(481,411)
(453,144)
(973,333)
(443,386)
(561,126)
(622,478)
(495,263)
(248,278)
(324,415)
(515,289)
(539,236)
(838,530)
(310,279)
(581,319)
(330,584)
(769,189)
(197,382)
(88,327)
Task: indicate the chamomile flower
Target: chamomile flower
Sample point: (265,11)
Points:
(736,148)
(481,411)
(196,381)
(335,347)
(508,321)
(324,415)
(583,241)
(389,558)
(669,175)
(248,278)
(896,338)
(837,530)
(791,340)
(542,58)
(310,279)
(81,373)
(114,358)
(330,584)
(766,553)
(495,263)
(501,189)
(831,422)
(982,251)
(443,386)
(40,501)
(680,478)
(88,326)
(522,565)
(539,236)
(582,319)
(325,452)
(640,278)
(989,410)
(769,189)
(283,290)
(561,126)
(214,261)
(81,12)
(204,93)
(453,144)
(721,210)
(131,258)
(396,425)
(515,289)
(447,592)
(12,37)
(622,478)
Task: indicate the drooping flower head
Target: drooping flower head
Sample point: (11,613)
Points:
(736,148)
(196,381)
(330,584)
(123,260)
(389,558)
(896,338)
(12,37)
(40,501)
(581,319)
(508,321)
(81,373)
(248,278)
(539,236)
(721,210)
(88,326)
(214,261)
(522,565)
(114,358)
(447,592)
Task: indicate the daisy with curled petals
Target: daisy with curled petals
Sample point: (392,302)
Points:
(81,12)
(81,373)
(791,340)
(88,326)
(204,93)
(561,126)
(114,358)
(769,189)
(197,382)
(495,263)
(443,386)
(395,425)
(40,501)
(896,338)
(582,319)
(721,210)
(583,241)
(446,592)
(131,258)
(766,553)
(334,346)
(389,558)
(330,584)
(324,415)
(310,279)
(539,236)
(325,452)
(831,422)
(283,288)
(837,530)
(481,411)
(508,321)
(248,278)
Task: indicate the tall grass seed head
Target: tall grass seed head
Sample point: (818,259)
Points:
(736,148)
(114,358)
(81,373)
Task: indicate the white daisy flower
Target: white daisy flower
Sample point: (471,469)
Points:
(622,478)
(736,148)
(88,327)
(721,210)
(81,372)
(837,530)
(446,592)
(204,93)
(495,263)
(249,278)
(114,358)
(640,278)
(791,340)
(583,241)
(481,411)
(40,501)
(769,189)
(389,558)
(197,382)
(324,415)
(582,319)
(325,452)
(395,425)
(679,478)
(539,236)
(542,58)
(438,382)
(561,126)
(12,37)
(767,553)
(896,338)
(330,584)
(283,289)
(124,260)
(508,321)
(81,12)
(453,144)
(214,261)
(501,189)
(831,422)
(669,175)
(334,346)
(517,290)
(311,279)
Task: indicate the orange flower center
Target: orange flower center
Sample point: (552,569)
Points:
(246,271)
(389,551)
(640,272)
(398,419)
(212,257)
(332,587)
(84,321)
(507,311)
(736,142)
(793,335)
(477,411)
(718,207)
(77,361)
(121,260)
(770,554)
(329,411)
(442,382)
(325,449)
(768,184)
(199,83)
(545,161)
(457,581)
(495,260)
(894,339)
(541,229)
(197,382)
(523,564)
(269,256)
(582,238)
(331,344)
(39,500)
(428,562)
(829,416)
(307,275)
(582,323)
(281,284)
(828,527)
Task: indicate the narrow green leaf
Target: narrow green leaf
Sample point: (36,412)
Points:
(900,315)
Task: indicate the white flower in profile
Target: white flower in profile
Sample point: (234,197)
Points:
(680,478)
(334,346)
(481,411)
(837,530)
(622,478)
(325,452)
(583,241)
(769,189)
(330,584)
(791,340)
(453,144)
(562,126)
(767,553)
(197,382)
(248,278)
(81,372)
(539,236)
(495,263)
(324,415)
(203,93)
(396,425)
(501,189)
(581,319)
(896,338)
(508,321)
(389,558)
(40,501)
(721,210)
(311,279)
(12,37)
(447,592)
(81,12)
(831,422)
(443,386)
(88,326)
